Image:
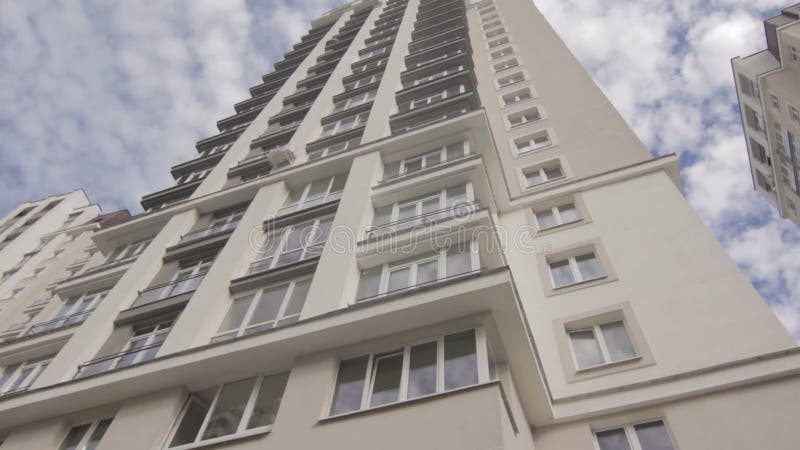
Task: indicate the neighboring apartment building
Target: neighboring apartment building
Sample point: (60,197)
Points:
(768,88)
(560,293)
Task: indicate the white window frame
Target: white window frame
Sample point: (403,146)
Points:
(556,212)
(531,141)
(440,74)
(413,264)
(510,80)
(536,112)
(374,78)
(339,147)
(517,97)
(127,252)
(328,196)
(87,435)
(368,66)
(402,169)
(187,272)
(241,431)
(542,170)
(160,329)
(506,65)
(501,53)
(254,301)
(483,369)
(352,102)
(90,299)
(37,365)
(630,432)
(418,201)
(573,265)
(282,234)
(437,97)
(195,175)
(342,125)
(600,340)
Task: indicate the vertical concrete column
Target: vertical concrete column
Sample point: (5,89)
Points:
(336,278)
(41,435)
(384,104)
(87,340)
(219,176)
(209,304)
(143,422)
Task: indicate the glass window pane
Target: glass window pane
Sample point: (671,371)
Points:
(422,370)
(369,284)
(268,401)
(7,372)
(613,440)
(349,385)
(587,352)
(268,305)
(98,434)
(74,437)
(535,178)
(196,410)
(455,150)
(383,215)
(546,219)
(386,385)
(430,205)
(459,259)
(407,211)
(398,279)
(298,298)
(229,408)
(619,344)
(460,361)
(19,382)
(568,213)
(457,195)
(553,172)
(338,182)
(294,197)
(589,266)
(391,170)
(427,272)
(653,436)
(233,320)
(562,273)
(413,165)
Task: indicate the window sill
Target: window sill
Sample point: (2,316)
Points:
(521,153)
(403,403)
(560,227)
(581,285)
(248,434)
(609,365)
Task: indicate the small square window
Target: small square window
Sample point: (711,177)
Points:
(557,215)
(601,344)
(511,79)
(535,141)
(542,175)
(575,269)
(517,97)
(523,117)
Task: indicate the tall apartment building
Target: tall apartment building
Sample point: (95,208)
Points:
(768,89)
(427,228)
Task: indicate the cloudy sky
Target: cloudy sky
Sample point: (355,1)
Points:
(108,95)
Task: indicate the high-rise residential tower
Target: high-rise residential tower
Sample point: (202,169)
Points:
(768,88)
(427,228)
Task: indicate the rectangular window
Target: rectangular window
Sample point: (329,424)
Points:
(517,97)
(86,436)
(127,252)
(352,102)
(748,86)
(531,142)
(424,210)
(501,53)
(575,269)
(74,311)
(601,344)
(495,33)
(144,343)
(754,120)
(334,149)
(292,244)
(538,176)
(231,409)
(643,436)
(557,215)
(511,80)
(418,271)
(430,99)
(794,114)
(426,160)
(345,124)
(524,117)
(20,377)
(361,82)
(264,309)
(315,193)
(412,371)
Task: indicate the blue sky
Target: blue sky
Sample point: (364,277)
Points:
(108,95)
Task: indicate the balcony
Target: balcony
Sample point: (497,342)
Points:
(442,51)
(418,168)
(291,113)
(445,35)
(449,72)
(197,164)
(378,36)
(436,17)
(435,112)
(207,232)
(333,148)
(275,135)
(258,101)
(426,11)
(169,290)
(220,139)
(58,323)
(118,360)
(170,195)
(240,118)
(457,211)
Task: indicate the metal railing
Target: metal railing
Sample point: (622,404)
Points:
(457,211)
(117,360)
(420,285)
(208,231)
(407,172)
(286,258)
(171,289)
(61,322)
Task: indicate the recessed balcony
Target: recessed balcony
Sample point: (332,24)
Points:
(167,291)
(227,137)
(291,113)
(58,323)
(437,17)
(426,219)
(240,118)
(258,101)
(275,134)
(421,116)
(442,49)
(169,195)
(303,95)
(197,164)
(442,35)
(453,71)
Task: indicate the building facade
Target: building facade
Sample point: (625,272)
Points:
(427,228)
(768,89)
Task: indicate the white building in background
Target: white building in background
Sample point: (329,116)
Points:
(768,88)
(427,228)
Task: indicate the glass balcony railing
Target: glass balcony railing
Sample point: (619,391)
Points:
(456,211)
(118,360)
(60,322)
(208,231)
(171,289)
